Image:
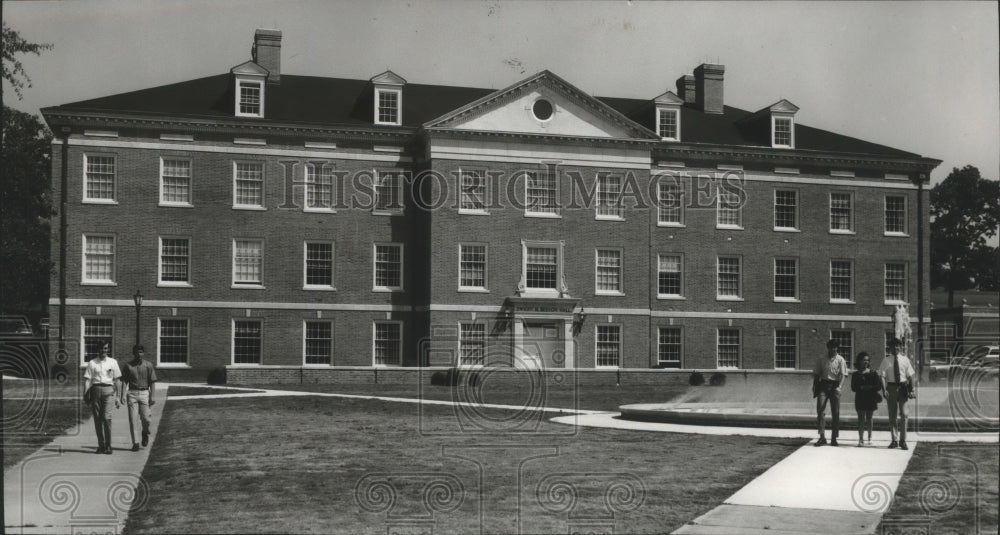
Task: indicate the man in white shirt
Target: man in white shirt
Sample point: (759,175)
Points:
(828,376)
(897,375)
(100,391)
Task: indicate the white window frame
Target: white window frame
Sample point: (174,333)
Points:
(319,170)
(719,210)
(240,80)
(305,265)
(661,185)
(850,229)
(739,278)
(232,342)
(839,300)
(850,332)
(159,263)
(159,343)
(486,268)
(885,283)
(263,186)
(399,346)
(459,347)
(402,265)
(617,205)
(795,364)
(461,191)
(190,186)
(560,266)
(305,324)
(774,271)
(679,295)
(794,228)
(399,105)
(885,213)
(83,336)
(739,347)
(528,211)
(113,281)
(621,271)
(597,329)
(680,331)
(377,177)
(114,179)
(234,284)
(774,131)
(677,123)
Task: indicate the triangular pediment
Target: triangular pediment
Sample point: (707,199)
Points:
(668,99)
(783,106)
(516,109)
(249,68)
(388,78)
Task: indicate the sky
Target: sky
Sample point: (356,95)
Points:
(917,76)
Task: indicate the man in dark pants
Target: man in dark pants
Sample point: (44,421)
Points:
(898,377)
(139,383)
(100,392)
(828,376)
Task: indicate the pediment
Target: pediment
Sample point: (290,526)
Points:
(513,110)
(249,68)
(668,99)
(783,106)
(388,78)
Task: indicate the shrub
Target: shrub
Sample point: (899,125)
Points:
(718,379)
(696,379)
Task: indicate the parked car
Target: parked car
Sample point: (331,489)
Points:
(15,327)
(978,360)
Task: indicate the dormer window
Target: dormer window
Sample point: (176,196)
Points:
(782,132)
(250,99)
(388,88)
(249,81)
(668,116)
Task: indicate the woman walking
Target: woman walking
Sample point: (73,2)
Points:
(866,384)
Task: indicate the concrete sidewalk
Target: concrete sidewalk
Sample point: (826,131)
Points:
(65,487)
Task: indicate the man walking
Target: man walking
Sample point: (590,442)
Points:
(139,380)
(897,375)
(100,391)
(828,376)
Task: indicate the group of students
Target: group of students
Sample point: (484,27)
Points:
(893,381)
(106,385)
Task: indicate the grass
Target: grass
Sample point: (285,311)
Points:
(191,390)
(292,465)
(949,488)
(36,412)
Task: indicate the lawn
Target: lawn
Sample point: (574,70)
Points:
(321,465)
(34,413)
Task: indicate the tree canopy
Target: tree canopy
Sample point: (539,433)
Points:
(12,70)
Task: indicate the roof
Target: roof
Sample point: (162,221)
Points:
(348,102)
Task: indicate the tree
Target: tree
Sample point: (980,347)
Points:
(12,70)
(965,212)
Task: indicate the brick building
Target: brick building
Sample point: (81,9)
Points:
(297,224)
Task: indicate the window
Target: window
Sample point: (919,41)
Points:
(173,341)
(98,259)
(388,106)
(609,197)
(609,346)
(540,193)
(669,347)
(318,265)
(473,191)
(471,267)
(542,109)
(728,348)
(782,132)
(250,99)
(541,266)
(845,339)
(317,343)
(472,344)
(841,281)
(728,277)
(388,343)
(175,261)
(97,331)
(786,280)
(669,276)
(887,338)
(841,214)
(319,187)
(670,210)
(175,182)
(388,191)
(248,185)
(99,178)
(786,348)
(609,271)
(667,124)
(895,214)
(729,211)
(785,209)
(248,263)
(247,335)
(388,267)
(895,283)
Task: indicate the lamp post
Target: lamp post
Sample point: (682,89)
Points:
(137,298)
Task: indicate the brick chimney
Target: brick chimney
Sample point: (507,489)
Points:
(685,88)
(266,52)
(708,87)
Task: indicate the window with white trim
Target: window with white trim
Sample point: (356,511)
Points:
(175,182)
(729,209)
(248,263)
(388,102)
(248,185)
(96,332)
(895,282)
(472,344)
(786,279)
(842,281)
(609,346)
(318,265)
(841,212)
(786,209)
(667,122)
(473,191)
(172,337)
(98,259)
(669,210)
(388,191)
(669,275)
(895,214)
(387,343)
(782,128)
(388,266)
(728,277)
(471,266)
(608,271)
(317,342)
(542,266)
(786,349)
(728,348)
(251,98)
(99,178)
(319,187)
(669,348)
(845,341)
(247,341)
(175,261)
(540,193)
(609,197)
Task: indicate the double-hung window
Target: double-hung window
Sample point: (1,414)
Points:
(609,346)
(841,212)
(472,191)
(728,348)
(786,279)
(388,267)
(540,198)
(841,281)
(317,342)
(895,283)
(175,182)
(248,343)
(97,332)
(173,341)
(248,185)
(728,277)
(318,264)
(895,215)
(609,197)
(250,99)
(669,276)
(175,261)
(99,178)
(472,344)
(669,347)
(388,106)
(542,267)
(786,348)
(729,209)
(471,267)
(387,344)
(669,209)
(98,259)
(388,192)
(248,263)
(608,271)
(667,121)
(319,187)
(785,210)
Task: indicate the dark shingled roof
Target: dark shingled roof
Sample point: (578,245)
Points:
(339,101)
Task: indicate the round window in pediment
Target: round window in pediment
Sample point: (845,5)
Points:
(542,109)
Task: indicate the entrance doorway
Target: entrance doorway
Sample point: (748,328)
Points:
(542,345)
